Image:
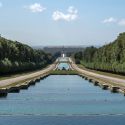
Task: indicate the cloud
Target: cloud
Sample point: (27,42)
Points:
(71,15)
(122,22)
(1,4)
(35,8)
(110,20)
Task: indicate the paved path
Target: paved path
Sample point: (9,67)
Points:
(25,77)
(107,78)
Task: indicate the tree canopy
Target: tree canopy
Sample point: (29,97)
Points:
(109,58)
(18,57)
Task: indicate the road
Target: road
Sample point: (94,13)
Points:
(99,76)
(25,77)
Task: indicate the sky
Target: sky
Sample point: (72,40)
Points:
(62,22)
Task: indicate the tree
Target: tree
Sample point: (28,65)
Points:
(109,58)
(18,57)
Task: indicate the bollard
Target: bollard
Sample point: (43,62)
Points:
(114,89)
(24,86)
(104,86)
(14,89)
(3,92)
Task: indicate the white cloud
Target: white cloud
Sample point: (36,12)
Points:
(122,22)
(71,15)
(1,4)
(110,20)
(35,8)
(72,10)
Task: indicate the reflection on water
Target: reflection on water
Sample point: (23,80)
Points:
(63,95)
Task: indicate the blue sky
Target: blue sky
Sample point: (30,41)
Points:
(62,22)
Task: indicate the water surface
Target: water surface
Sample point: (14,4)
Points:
(63,65)
(63,100)
(62,120)
(63,95)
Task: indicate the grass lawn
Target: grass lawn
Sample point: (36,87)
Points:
(64,72)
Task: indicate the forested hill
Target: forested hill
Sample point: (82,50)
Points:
(109,58)
(17,57)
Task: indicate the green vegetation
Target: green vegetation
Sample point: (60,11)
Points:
(17,57)
(64,72)
(108,58)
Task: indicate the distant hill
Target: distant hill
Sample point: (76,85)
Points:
(63,49)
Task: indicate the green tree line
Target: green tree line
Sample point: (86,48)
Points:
(18,57)
(109,58)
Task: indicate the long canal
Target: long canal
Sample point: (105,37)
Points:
(60,96)
(63,100)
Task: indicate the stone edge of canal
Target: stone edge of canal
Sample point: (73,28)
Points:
(16,89)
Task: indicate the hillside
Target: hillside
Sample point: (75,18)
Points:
(109,58)
(18,57)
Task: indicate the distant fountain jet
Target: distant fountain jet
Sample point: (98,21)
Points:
(63,55)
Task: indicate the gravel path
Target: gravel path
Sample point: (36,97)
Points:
(25,77)
(107,78)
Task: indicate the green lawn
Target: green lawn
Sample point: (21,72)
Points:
(64,72)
